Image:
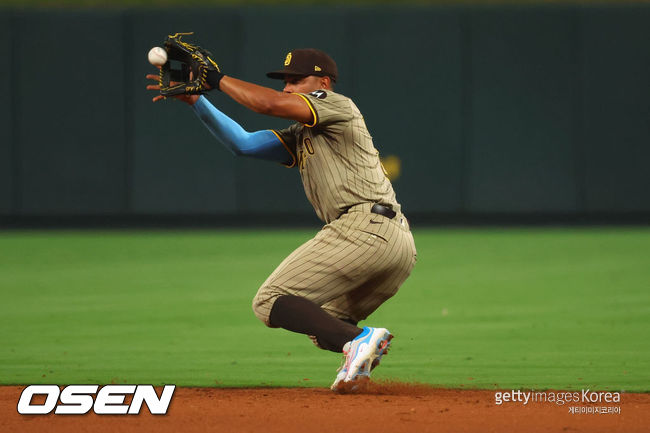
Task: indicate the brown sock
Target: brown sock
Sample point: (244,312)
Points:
(300,315)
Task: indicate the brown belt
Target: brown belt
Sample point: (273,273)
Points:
(383,210)
(377,208)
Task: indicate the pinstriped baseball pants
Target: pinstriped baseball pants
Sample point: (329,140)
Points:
(352,266)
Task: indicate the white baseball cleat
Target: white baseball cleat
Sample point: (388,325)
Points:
(361,355)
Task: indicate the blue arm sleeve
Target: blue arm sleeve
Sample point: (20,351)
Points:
(260,144)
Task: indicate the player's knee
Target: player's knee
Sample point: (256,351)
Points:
(262,304)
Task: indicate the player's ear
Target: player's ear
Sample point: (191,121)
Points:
(326,82)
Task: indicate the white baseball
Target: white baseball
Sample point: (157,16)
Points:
(157,56)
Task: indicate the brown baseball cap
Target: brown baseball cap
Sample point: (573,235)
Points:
(307,61)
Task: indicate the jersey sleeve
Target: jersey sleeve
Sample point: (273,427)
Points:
(328,108)
(288,138)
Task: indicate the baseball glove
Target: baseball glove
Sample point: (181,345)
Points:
(205,73)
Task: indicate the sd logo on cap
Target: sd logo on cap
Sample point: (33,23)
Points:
(305,62)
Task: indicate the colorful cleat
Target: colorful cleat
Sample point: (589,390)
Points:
(360,357)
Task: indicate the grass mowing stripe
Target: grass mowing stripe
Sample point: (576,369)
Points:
(510,308)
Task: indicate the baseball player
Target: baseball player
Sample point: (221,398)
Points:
(365,251)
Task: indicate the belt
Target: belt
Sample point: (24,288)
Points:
(383,210)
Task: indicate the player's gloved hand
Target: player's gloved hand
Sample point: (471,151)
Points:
(188,99)
(198,74)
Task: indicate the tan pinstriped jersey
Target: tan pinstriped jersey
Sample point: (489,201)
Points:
(338,162)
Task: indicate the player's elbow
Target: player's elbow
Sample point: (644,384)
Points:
(233,147)
(246,145)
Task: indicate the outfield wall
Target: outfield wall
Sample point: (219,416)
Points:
(492,110)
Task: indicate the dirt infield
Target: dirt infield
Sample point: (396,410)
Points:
(391,408)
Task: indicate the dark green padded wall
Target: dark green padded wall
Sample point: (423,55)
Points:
(72,140)
(6,121)
(490,109)
(616,109)
(522,156)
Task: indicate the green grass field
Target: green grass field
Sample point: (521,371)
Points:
(484,308)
